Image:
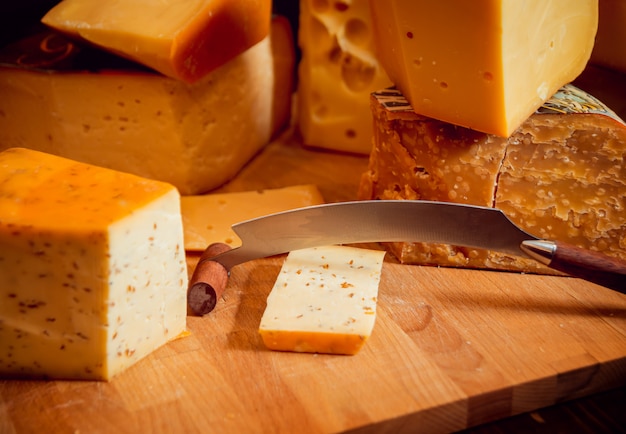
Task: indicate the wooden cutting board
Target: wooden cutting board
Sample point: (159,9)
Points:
(451,348)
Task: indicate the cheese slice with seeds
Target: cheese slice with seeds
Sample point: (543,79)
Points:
(324,301)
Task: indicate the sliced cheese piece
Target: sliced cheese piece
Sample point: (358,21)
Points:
(560,176)
(208,219)
(93,274)
(610,46)
(487,67)
(181,39)
(324,301)
(337,73)
(195,137)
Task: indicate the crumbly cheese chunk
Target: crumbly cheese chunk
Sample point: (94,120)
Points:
(560,176)
(208,219)
(324,301)
(93,274)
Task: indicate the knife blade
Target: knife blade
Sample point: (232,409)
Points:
(388,221)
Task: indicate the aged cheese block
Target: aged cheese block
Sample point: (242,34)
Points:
(78,103)
(181,39)
(93,274)
(323,301)
(610,47)
(208,218)
(488,65)
(337,73)
(561,175)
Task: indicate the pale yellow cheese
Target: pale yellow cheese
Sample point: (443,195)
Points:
(324,301)
(181,39)
(337,73)
(207,219)
(488,64)
(195,137)
(93,274)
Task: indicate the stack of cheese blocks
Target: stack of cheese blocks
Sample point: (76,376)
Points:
(106,117)
(182,92)
(482,112)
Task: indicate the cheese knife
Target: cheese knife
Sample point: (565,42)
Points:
(388,221)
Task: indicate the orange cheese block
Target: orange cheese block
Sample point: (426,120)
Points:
(97,108)
(93,275)
(484,65)
(560,176)
(181,39)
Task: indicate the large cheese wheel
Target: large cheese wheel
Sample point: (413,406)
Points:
(93,274)
(78,103)
(560,176)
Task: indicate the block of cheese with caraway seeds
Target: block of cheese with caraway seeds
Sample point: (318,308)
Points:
(208,218)
(560,176)
(181,39)
(337,73)
(483,64)
(93,274)
(89,106)
(324,301)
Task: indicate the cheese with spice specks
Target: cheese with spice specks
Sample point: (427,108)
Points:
(93,274)
(80,103)
(324,301)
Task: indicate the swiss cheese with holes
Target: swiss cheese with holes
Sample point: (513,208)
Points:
(337,73)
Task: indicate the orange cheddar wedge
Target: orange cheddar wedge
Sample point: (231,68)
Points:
(181,39)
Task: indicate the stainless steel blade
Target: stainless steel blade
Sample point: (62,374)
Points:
(375,221)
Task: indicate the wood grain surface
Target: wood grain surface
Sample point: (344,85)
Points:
(451,349)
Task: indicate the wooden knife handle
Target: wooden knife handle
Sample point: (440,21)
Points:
(593,266)
(208,282)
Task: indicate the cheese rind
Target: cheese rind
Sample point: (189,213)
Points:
(484,65)
(184,40)
(195,137)
(208,219)
(337,73)
(93,274)
(323,301)
(560,176)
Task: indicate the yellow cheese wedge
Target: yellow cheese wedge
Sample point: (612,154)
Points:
(93,274)
(74,102)
(610,47)
(324,301)
(484,65)
(337,73)
(560,176)
(181,39)
(207,219)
